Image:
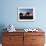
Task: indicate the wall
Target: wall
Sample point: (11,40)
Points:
(8,13)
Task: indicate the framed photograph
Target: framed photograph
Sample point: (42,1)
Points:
(26,14)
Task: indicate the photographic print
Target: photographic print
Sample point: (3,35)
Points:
(26,14)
